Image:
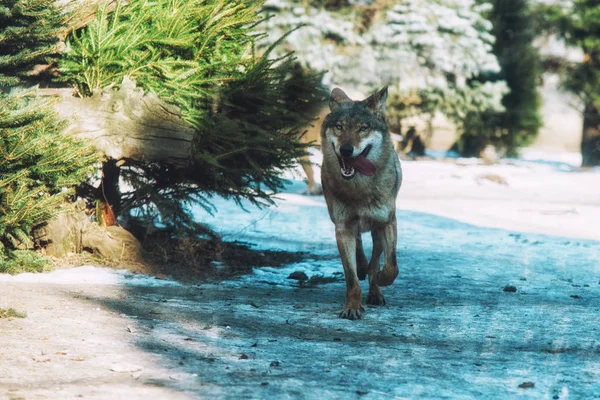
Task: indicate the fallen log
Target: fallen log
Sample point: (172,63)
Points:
(127,124)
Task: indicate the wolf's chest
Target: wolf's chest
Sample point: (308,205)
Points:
(371,216)
(367,215)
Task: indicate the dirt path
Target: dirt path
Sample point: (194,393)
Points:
(442,335)
(453,327)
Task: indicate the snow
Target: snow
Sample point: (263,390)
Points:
(88,275)
(415,45)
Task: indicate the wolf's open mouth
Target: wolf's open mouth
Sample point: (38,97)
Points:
(349,165)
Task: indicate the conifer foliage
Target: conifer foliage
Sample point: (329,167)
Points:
(578,22)
(200,55)
(39,166)
(29,31)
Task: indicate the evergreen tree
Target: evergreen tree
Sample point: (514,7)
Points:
(425,50)
(200,55)
(39,166)
(29,32)
(578,23)
(520,121)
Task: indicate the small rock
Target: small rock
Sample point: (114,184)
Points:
(118,367)
(130,329)
(274,364)
(361,392)
(298,275)
(526,385)
(510,289)
(494,178)
(244,356)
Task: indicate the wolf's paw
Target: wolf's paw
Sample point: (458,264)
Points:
(352,313)
(375,298)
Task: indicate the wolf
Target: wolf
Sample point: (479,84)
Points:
(361,176)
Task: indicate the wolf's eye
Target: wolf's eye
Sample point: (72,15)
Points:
(338,126)
(364,128)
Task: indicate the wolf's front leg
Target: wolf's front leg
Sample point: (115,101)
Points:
(346,241)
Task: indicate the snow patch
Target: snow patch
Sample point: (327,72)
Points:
(89,275)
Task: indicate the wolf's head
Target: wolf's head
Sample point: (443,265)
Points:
(355,131)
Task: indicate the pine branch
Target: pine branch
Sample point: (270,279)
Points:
(38,166)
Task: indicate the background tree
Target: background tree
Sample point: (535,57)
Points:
(429,51)
(578,23)
(518,125)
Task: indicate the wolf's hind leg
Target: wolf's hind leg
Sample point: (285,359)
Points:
(361,260)
(375,297)
(388,274)
(312,187)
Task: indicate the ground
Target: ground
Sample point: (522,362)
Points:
(498,297)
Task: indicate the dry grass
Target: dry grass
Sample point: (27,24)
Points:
(11,313)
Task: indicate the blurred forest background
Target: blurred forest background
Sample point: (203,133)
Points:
(115,116)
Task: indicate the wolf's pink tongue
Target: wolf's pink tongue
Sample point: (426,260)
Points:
(364,166)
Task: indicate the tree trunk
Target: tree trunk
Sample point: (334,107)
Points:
(111,194)
(590,139)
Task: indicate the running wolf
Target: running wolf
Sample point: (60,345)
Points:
(361,176)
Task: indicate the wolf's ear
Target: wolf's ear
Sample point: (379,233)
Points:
(376,102)
(338,97)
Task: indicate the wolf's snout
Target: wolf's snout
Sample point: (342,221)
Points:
(346,150)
